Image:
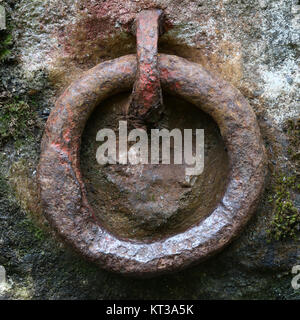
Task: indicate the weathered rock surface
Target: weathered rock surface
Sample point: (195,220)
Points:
(47,44)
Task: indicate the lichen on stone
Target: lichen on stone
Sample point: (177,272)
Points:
(286,217)
(6,38)
(22,178)
(285,189)
(252,44)
(18,119)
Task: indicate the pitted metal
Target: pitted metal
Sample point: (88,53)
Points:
(146,99)
(63,192)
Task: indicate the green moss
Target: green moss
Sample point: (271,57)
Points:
(5,46)
(31,227)
(286,217)
(6,42)
(18,120)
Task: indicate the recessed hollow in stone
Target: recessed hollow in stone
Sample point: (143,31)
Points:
(150,202)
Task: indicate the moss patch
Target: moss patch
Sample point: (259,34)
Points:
(18,120)
(29,225)
(6,41)
(285,221)
(5,46)
(286,217)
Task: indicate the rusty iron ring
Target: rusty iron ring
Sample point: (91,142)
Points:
(63,192)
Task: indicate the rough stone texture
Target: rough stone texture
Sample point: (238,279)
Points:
(253,45)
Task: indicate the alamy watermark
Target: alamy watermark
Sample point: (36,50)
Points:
(2,18)
(184,150)
(296,280)
(2,276)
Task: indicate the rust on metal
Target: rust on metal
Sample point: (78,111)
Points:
(146,100)
(63,192)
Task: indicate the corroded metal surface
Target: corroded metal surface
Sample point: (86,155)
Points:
(63,192)
(146,97)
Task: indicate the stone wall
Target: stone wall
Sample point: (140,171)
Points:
(47,44)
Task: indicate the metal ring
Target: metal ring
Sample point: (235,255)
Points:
(63,192)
